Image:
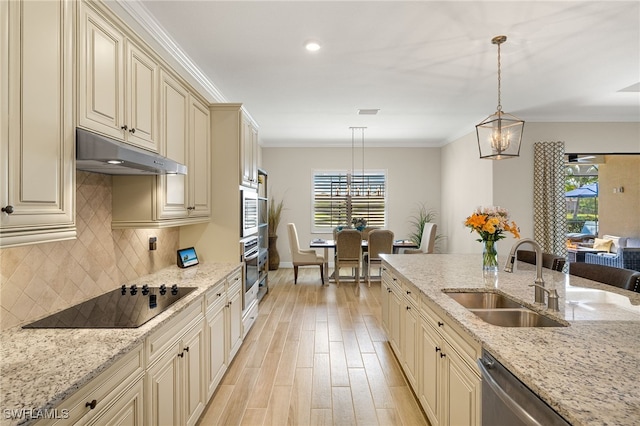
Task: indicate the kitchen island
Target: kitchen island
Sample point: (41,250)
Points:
(586,371)
(41,368)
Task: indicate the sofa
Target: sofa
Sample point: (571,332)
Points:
(623,252)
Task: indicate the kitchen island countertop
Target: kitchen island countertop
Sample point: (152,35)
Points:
(587,371)
(39,368)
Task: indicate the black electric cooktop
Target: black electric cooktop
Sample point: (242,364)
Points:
(126,307)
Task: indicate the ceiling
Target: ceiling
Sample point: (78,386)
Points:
(429,66)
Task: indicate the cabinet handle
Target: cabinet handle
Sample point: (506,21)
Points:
(442,355)
(388,290)
(408,308)
(440,324)
(181,354)
(438,349)
(395,279)
(8,209)
(408,292)
(125,127)
(91,404)
(218,294)
(132,130)
(186,349)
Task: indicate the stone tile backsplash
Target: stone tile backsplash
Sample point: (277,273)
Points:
(41,279)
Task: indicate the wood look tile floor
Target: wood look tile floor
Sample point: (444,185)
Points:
(315,356)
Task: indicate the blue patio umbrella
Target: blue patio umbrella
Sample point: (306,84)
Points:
(585,191)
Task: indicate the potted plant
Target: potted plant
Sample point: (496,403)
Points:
(423,215)
(275,211)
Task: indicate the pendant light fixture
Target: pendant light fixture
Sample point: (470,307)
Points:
(500,134)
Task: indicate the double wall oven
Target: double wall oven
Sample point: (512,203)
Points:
(253,256)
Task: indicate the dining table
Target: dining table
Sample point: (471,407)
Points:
(331,244)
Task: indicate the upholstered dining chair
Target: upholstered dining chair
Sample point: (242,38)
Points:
(300,257)
(379,241)
(428,241)
(348,253)
(549,261)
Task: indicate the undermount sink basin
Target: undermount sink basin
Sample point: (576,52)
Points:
(483,300)
(497,309)
(516,318)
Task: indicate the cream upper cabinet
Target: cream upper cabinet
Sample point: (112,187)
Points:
(174,115)
(199,163)
(117,83)
(249,154)
(171,200)
(37,176)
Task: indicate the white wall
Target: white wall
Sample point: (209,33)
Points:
(512,180)
(413,176)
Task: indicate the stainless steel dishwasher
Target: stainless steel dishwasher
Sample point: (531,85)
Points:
(507,401)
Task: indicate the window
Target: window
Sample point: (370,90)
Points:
(339,196)
(581,195)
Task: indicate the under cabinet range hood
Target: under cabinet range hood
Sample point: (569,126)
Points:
(100,154)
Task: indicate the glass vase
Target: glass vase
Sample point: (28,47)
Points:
(490,257)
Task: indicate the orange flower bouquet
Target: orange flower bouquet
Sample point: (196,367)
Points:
(491,223)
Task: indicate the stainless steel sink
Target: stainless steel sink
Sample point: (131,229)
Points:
(516,318)
(483,300)
(497,309)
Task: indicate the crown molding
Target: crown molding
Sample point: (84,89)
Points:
(142,16)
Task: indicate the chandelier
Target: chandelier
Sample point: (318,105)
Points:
(500,134)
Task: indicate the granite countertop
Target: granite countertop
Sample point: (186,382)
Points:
(587,371)
(41,367)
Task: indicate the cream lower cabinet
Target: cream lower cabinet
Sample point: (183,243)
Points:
(224,327)
(437,357)
(449,385)
(176,374)
(114,397)
(37,144)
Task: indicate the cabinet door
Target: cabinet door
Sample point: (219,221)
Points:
(462,391)
(429,371)
(248,154)
(193,364)
(141,97)
(385,293)
(36,123)
(395,306)
(165,389)
(410,341)
(174,109)
(217,348)
(128,409)
(235,322)
(101,74)
(199,160)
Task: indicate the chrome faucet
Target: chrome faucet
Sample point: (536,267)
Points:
(539,282)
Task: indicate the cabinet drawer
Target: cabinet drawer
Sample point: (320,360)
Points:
(234,280)
(411,292)
(215,296)
(103,390)
(162,339)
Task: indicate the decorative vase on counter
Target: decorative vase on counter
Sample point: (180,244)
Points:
(274,256)
(489,257)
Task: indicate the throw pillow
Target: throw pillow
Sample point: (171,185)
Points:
(602,244)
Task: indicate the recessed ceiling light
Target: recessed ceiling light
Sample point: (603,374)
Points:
(312,45)
(369,111)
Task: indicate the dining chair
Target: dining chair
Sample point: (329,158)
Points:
(380,241)
(366,231)
(428,240)
(549,261)
(348,253)
(300,257)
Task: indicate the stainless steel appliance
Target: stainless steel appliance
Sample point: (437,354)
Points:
(126,307)
(100,154)
(249,210)
(251,257)
(506,401)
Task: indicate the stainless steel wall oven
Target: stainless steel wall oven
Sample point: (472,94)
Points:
(252,265)
(249,211)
